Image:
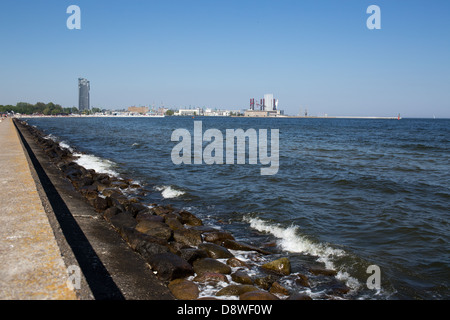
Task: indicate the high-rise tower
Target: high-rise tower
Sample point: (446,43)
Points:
(83,94)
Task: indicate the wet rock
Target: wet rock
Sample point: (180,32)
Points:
(110,212)
(118,198)
(187,237)
(302,280)
(322,271)
(204,229)
(217,236)
(120,184)
(100,187)
(173,222)
(211,278)
(89,194)
(147,215)
(235,262)
(176,247)
(258,295)
(281,266)
(241,277)
(148,247)
(192,254)
(235,245)
(155,229)
(137,240)
(236,290)
(215,251)
(299,296)
(267,281)
(210,265)
(184,289)
(277,288)
(135,208)
(84,182)
(110,191)
(100,204)
(160,210)
(190,219)
(338,288)
(169,266)
(122,220)
(102,177)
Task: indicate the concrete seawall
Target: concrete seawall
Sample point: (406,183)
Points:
(31,266)
(46,226)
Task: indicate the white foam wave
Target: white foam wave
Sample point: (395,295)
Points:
(289,239)
(51,137)
(168,192)
(65,145)
(89,161)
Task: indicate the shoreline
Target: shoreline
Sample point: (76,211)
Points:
(186,255)
(242,117)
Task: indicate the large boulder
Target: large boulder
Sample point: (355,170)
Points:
(299,296)
(149,246)
(173,222)
(190,219)
(100,204)
(236,290)
(155,229)
(235,245)
(210,265)
(211,278)
(215,251)
(267,281)
(187,237)
(184,289)
(169,266)
(258,295)
(278,289)
(280,266)
(216,236)
(302,280)
(235,262)
(322,271)
(192,254)
(122,220)
(241,277)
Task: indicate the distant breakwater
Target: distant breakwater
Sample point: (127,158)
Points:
(188,256)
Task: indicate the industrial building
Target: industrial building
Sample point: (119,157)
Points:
(267,107)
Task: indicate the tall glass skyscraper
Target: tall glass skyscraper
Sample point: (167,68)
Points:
(83,94)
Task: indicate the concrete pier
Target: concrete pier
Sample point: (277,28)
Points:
(48,229)
(31,265)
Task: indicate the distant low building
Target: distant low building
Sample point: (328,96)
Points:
(140,110)
(263,114)
(189,112)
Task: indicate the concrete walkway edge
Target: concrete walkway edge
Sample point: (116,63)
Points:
(31,265)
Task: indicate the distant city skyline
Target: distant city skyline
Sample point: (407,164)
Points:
(314,55)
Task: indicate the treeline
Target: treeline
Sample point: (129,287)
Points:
(38,108)
(41,108)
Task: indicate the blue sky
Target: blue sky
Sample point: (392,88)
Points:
(315,54)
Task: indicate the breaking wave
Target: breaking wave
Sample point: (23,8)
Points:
(168,192)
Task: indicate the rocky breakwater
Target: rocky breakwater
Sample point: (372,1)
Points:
(194,260)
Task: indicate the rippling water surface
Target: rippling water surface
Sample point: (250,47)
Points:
(349,193)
